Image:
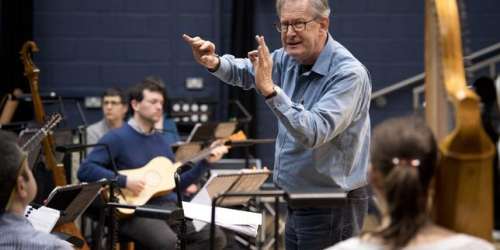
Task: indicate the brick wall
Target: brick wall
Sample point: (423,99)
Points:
(87,45)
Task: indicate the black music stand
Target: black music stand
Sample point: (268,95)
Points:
(295,199)
(204,132)
(71,201)
(112,184)
(167,215)
(271,193)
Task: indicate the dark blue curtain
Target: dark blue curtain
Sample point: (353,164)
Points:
(242,41)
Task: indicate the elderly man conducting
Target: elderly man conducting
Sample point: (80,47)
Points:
(320,94)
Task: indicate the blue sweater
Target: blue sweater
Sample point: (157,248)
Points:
(131,149)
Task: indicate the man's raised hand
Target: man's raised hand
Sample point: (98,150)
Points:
(263,66)
(203,52)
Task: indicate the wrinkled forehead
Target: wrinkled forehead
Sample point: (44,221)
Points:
(296,10)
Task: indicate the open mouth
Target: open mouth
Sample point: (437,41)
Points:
(293,43)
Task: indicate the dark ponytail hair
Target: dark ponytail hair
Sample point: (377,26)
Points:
(404,151)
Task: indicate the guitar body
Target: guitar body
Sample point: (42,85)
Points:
(158,175)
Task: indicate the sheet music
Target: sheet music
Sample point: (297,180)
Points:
(202,197)
(226,179)
(240,221)
(43,219)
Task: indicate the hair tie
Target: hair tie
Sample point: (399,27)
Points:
(412,162)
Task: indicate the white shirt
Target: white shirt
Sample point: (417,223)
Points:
(454,242)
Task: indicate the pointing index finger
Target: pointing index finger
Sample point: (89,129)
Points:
(187,38)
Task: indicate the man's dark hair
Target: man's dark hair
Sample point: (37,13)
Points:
(167,107)
(405,152)
(153,84)
(115,92)
(11,158)
(485,88)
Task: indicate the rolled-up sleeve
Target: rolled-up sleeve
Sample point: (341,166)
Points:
(328,117)
(236,71)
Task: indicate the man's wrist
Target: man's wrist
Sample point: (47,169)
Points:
(212,70)
(270,94)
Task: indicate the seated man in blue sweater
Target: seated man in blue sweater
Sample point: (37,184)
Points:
(133,146)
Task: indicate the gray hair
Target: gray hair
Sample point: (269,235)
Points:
(320,7)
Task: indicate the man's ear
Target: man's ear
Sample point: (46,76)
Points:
(134,104)
(324,23)
(21,187)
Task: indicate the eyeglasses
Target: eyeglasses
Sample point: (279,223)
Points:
(297,26)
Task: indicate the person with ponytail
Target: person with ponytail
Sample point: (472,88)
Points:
(403,159)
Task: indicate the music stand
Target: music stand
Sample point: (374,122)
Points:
(272,193)
(73,200)
(241,181)
(326,197)
(323,197)
(204,132)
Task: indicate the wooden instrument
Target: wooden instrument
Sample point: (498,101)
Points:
(10,107)
(31,71)
(463,184)
(37,138)
(239,139)
(158,176)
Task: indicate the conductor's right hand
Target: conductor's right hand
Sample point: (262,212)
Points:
(203,52)
(135,185)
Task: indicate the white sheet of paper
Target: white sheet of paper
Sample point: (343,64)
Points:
(43,219)
(240,221)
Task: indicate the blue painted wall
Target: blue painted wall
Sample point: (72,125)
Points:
(88,45)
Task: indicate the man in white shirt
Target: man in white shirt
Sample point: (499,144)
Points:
(114,109)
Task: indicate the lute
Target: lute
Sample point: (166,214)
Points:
(41,133)
(158,174)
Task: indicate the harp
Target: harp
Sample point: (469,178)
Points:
(463,199)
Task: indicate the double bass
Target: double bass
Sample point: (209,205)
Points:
(31,72)
(463,199)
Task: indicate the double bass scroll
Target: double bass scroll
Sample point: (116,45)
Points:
(31,72)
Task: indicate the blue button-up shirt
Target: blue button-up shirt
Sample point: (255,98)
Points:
(324,126)
(18,233)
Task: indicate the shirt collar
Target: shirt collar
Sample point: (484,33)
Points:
(13,218)
(322,64)
(133,123)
